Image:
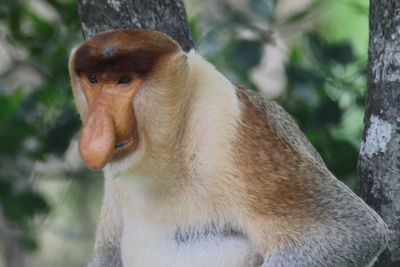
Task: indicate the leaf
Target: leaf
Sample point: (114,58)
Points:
(318,47)
(303,13)
(246,54)
(42,28)
(342,53)
(263,8)
(328,112)
(297,17)
(28,243)
(57,139)
(5,188)
(195,29)
(22,206)
(326,53)
(300,75)
(9,104)
(347,154)
(360,8)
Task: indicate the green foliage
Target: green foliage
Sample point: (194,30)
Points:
(316,90)
(38,119)
(245,54)
(264,9)
(322,51)
(20,207)
(325,73)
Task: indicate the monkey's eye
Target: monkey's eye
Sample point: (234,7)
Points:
(92,78)
(124,80)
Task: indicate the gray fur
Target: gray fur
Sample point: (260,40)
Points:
(344,245)
(109,233)
(351,235)
(107,256)
(212,230)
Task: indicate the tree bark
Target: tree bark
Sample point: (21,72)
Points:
(12,252)
(379,161)
(167,16)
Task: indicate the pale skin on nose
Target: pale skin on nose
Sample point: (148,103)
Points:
(97,139)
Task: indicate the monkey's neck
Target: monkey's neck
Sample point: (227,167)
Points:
(194,135)
(212,122)
(189,171)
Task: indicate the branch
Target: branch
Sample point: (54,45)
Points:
(167,16)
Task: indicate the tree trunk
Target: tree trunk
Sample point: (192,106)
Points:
(167,16)
(379,161)
(12,252)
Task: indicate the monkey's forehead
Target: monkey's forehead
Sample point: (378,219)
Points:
(140,61)
(123,50)
(109,43)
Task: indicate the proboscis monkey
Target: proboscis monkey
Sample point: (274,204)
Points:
(202,172)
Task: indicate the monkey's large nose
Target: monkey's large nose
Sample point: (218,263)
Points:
(97,139)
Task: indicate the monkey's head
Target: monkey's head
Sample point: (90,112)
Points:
(107,73)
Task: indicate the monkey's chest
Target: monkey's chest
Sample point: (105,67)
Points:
(208,246)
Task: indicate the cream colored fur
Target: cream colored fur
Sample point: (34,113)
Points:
(167,182)
(79,96)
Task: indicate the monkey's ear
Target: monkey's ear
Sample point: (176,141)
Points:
(77,90)
(184,56)
(183,59)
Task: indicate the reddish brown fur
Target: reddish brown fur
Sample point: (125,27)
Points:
(280,181)
(123,50)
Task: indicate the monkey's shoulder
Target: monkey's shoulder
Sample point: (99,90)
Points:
(268,124)
(287,174)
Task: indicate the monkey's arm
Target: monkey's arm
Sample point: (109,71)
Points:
(348,244)
(351,239)
(109,232)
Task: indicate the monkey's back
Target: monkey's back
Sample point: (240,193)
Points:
(294,193)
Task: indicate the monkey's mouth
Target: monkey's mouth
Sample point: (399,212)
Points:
(125,147)
(121,145)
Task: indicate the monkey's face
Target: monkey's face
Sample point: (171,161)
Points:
(110,129)
(107,72)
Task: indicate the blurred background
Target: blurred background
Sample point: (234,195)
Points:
(308,55)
